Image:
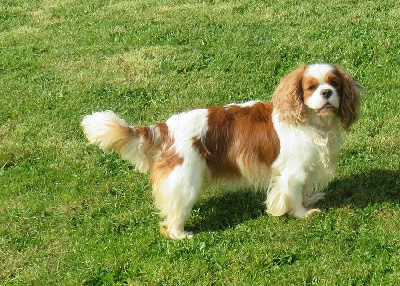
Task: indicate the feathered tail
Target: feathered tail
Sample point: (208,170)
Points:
(138,145)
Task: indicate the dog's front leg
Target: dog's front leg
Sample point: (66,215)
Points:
(286,195)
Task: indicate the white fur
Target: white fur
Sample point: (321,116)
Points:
(185,126)
(317,101)
(179,192)
(98,124)
(318,71)
(306,162)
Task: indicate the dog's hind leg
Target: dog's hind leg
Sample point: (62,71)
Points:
(175,194)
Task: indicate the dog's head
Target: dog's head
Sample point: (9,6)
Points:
(323,89)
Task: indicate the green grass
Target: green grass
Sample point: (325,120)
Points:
(73,215)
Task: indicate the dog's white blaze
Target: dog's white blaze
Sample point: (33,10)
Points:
(318,71)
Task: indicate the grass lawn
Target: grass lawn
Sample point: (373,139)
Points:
(73,215)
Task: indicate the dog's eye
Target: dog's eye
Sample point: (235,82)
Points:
(334,83)
(312,87)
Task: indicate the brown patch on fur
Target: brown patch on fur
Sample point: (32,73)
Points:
(288,98)
(157,146)
(163,129)
(126,133)
(309,85)
(157,137)
(333,79)
(121,135)
(168,159)
(236,133)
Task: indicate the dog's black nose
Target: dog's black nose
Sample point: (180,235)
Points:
(326,93)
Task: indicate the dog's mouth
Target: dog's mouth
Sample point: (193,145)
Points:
(328,108)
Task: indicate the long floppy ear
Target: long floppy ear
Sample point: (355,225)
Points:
(350,100)
(288,98)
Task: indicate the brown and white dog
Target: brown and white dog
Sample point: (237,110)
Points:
(289,146)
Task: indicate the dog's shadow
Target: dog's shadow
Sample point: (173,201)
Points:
(362,189)
(224,211)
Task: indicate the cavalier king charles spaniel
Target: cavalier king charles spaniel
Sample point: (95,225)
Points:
(289,147)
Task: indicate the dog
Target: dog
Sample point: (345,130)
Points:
(288,147)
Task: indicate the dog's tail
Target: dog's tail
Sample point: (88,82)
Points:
(139,145)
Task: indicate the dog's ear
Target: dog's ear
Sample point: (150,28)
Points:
(288,98)
(350,99)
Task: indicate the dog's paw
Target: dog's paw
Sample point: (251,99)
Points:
(312,212)
(302,213)
(176,234)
